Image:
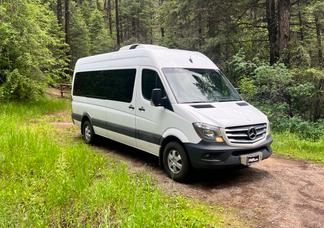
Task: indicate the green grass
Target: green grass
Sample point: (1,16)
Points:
(49,177)
(290,145)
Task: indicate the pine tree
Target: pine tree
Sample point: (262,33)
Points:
(100,40)
(80,43)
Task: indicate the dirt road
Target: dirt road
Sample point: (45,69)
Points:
(276,192)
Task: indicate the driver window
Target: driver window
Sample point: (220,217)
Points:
(150,81)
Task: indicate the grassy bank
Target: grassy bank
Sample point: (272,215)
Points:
(48,177)
(289,145)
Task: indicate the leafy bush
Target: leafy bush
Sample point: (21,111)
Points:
(312,105)
(299,57)
(247,88)
(19,86)
(291,98)
(239,67)
(304,129)
(32,52)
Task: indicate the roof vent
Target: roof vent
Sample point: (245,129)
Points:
(133,46)
(141,46)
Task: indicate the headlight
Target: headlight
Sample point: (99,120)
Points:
(208,132)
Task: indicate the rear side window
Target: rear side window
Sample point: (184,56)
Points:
(150,81)
(115,85)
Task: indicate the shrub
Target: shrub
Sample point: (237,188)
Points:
(299,57)
(19,86)
(247,88)
(239,67)
(303,128)
(32,52)
(291,98)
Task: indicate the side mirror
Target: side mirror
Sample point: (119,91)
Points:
(157,97)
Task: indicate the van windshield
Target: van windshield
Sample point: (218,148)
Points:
(200,85)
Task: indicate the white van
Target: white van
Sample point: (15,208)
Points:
(174,104)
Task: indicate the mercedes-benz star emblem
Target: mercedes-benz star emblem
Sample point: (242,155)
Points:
(252,133)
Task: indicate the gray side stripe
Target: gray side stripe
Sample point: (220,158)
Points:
(132,132)
(148,137)
(76,117)
(114,127)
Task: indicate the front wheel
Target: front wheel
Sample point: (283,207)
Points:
(175,161)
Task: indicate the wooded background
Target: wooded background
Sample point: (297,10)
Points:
(270,49)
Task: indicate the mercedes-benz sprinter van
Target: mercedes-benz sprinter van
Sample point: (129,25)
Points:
(174,104)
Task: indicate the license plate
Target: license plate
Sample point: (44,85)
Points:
(248,159)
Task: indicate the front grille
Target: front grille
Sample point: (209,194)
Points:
(240,134)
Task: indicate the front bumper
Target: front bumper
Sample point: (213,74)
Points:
(206,155)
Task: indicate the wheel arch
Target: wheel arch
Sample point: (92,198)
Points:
(169,136)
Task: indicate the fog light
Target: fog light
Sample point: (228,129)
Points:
(206,156)
(219,139)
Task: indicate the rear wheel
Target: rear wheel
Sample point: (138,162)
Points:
(88,132)
(175,161)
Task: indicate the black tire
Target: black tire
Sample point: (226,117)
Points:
(88,132)
(171,165)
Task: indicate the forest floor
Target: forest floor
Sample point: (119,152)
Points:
(276,192)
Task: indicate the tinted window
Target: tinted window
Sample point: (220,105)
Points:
(115,85)
(150,81)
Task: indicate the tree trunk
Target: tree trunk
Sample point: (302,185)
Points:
(109,16)
(107,7)
(162,28)
(319,41)
(67,21)
(162,32)
(67,31)
(133,27)
(117,23)
(272,27)
(200,35)
(301,23)
(138,32)
(121,29)
(59,12)
(283,24)
(211,26)
(98,5)
(151,30)
(317,102)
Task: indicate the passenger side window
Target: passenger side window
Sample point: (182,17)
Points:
(117,85)
(150,81)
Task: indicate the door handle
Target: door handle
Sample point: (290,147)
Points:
(142,109)
(131,107)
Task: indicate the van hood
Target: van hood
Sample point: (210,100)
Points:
(227,114)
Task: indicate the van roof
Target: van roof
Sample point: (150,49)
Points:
(145,55)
